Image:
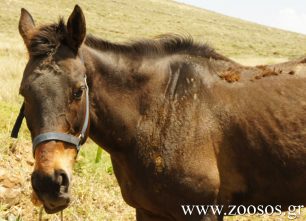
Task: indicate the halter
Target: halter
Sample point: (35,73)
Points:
(77,141)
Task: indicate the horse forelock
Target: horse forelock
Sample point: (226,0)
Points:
(46,39)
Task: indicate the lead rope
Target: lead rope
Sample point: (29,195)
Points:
(41,212)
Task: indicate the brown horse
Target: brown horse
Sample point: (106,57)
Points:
(183,124)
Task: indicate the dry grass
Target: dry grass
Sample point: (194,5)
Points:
(96,193)
(12,63)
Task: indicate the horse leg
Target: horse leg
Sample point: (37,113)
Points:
(143,215)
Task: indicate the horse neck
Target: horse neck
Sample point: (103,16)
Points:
(117,93)
(123,88)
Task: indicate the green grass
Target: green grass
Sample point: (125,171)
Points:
(95,190)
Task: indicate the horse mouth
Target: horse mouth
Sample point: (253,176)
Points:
(49,209)
(55,209)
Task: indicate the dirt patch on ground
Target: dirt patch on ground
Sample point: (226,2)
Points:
(16,166)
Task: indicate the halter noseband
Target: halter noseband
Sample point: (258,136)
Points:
(68,138)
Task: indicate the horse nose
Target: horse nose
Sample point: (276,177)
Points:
(61,178)
(58,182)
(50,187)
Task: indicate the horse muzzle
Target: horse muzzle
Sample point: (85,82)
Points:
(52,190)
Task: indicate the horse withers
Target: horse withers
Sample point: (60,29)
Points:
(183,124)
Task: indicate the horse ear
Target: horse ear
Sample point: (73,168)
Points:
(26,25)
(76,28)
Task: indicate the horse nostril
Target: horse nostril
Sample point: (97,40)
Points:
(62,178)
(34,180)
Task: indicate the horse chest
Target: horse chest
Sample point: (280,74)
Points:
(171,159)
(169,168)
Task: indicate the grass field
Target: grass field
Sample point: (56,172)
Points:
(96,194)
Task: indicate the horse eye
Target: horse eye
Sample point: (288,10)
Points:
(78,93)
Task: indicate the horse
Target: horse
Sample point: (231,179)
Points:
(183,124)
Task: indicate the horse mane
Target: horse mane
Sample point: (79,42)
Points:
(46,39)
(161,45)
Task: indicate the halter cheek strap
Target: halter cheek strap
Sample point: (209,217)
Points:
(49,136)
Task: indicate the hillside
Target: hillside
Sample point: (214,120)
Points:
(119,20)
(97,196)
